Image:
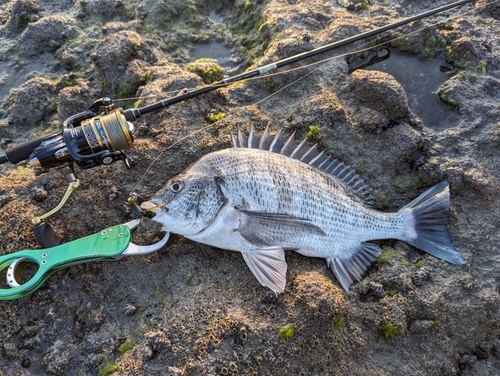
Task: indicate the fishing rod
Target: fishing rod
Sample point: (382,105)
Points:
(134,114)
(100,134)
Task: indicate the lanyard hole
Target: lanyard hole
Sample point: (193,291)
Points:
(18,273)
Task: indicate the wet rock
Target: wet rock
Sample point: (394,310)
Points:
(23,12)
(332,76)
(371,291)
(102,8)
(130,309)
(470,92)
(431,172)
(39,194)
(46,35)
(369,141)
(380,92)
(169,77)
(412,43)
(208,70)
(96,320)
(480,353)
(269,297)
(173,371)
(158,341)
(371,119)
(495,350)
(137,73)
(466,53)
(420,326)
(291,46)
(11,350)
(414,255)
(467,360)
(32,102)
(3,200)
(319,296)
(266,30)
(404,142)
(53,45)
(57,361)
(153,132)
(91,361)
(142,351)
(402,248)
(323,109)
(26,363)
(421,276)
(72,58)
(72,101)
(114,192)
(4,142)
(354,4)
(488,8)
(480,180)
(113,54)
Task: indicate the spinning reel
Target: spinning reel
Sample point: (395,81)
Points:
(87,139)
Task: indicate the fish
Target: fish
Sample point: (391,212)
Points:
(267,195)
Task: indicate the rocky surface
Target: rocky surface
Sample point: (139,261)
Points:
(190,309)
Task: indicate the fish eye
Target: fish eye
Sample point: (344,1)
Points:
(176,186)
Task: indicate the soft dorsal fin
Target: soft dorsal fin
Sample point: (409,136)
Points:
(306,154)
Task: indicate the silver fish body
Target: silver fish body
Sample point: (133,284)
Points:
(268,195)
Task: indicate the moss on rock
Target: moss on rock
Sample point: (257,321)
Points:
(207,69)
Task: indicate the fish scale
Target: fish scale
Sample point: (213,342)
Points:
(302,193)
(267,195)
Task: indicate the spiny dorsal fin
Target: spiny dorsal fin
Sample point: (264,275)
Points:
(289,146)
(265,140)
(306,154)
(234,141)
(242,139)
(253,138)
(300,150)
(277,143)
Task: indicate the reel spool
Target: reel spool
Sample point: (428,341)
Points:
(97,140)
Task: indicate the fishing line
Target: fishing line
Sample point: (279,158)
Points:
(322,64)
(351,52)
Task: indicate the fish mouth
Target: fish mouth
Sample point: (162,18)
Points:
(151,210)
(152,215)
(150,206)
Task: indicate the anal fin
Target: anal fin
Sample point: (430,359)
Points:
(268,265)
(351,269)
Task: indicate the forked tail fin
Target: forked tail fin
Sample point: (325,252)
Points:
(430,216)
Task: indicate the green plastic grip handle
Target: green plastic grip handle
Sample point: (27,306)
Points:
(103,246)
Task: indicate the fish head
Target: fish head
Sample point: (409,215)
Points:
(187,204)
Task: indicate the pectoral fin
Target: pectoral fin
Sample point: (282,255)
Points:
(262,229)
(268,265)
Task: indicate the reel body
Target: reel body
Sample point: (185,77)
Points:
(86,139)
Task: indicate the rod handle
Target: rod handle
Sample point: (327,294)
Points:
(21,152)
